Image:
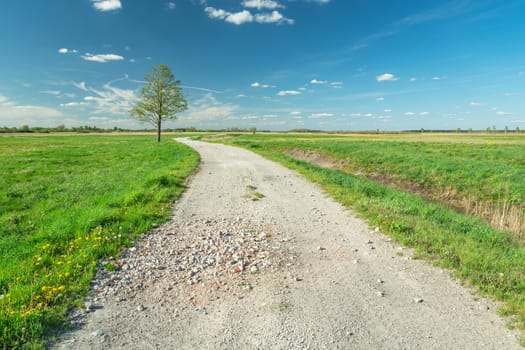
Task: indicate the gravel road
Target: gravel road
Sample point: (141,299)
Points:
(256,257)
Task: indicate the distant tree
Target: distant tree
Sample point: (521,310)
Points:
(488,130)
(470,130)
(458,130)
(506,129)
(518,129)
(161,98)
(422,130)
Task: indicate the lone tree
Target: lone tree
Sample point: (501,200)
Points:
(161,98)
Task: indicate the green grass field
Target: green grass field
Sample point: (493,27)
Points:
(66,202)
(412,187)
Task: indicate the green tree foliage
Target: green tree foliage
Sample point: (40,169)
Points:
(161,98)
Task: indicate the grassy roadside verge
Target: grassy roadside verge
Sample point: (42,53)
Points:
(66,202)
(492,261)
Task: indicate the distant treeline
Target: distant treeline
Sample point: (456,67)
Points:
(94,129)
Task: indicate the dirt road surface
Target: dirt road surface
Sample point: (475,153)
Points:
(256,257)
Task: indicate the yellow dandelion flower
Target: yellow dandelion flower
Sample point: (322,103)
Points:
(61,288)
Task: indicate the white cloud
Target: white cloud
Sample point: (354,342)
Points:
(475,104)
(424,113)
(103,58)
(274,17)
(106,5)
(410,114)
(14,114)
(387,110)
(262,4)
(246,16)
(321,115)
(413,79)
(259,85)
(318,82)
(436,78)
(501,113)
(214,13)
(64,51)
(171,5)
(380,99)
(321,2)
(386,77)
(237,18)
(336,84)
(295,113)
(288,92)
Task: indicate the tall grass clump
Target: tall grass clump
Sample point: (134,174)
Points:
(66,202)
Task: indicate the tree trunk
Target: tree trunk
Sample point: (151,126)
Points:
(158,130)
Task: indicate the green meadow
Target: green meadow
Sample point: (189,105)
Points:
(458,200)
(66,202)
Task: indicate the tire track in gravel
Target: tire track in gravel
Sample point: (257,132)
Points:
(256,257)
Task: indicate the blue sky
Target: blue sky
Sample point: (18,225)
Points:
(270,64)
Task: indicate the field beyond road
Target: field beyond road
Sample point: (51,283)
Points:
(65,203)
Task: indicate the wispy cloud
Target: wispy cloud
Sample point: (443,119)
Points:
(321,2)
(198,88)
(448,9)
(386,77)
(288,92)
(51,92)
(171,5)
(318,82)
(106,5)
(321,115)
(102,58)
(372,38)
(208,109)
(108,100)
